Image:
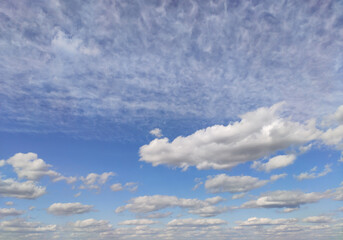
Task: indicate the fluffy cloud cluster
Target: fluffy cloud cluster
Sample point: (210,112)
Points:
(4,212)
(28,190)
(190,222)
(258,134)
(29,166)
(94,180)
(130,186)
(66,209)
(233,184)
(90,225)
(254,221)
(138,222)
(274,163)
(20,225)
(318,219)
(145,204)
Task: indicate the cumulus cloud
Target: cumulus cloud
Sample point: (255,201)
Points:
(312,174)
(278,176)
(159,215)
(138,222)
(284,199)
(238,196)
(260,133)
(233,184)
(20,225)
(275,163)
(116,187)
(190,222)
(29,166)
(146,204)
(156,132)
(66,209)
(94,180)
(27,190)
(318,219)
(254,221)
(130,186)
(4,212)
(90,225)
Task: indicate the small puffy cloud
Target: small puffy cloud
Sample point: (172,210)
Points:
(312,174)
(156,132)
(116,187)
(233,184)
(4,212)
(29,166)
(2,163)
(66,209)
(27,190)
(21,226)
(138,222)
(259,134)
(131,186)
(77,194)
(146,204)
(254,221)
(318,219)
(275,163)
(288,210)
(278,176)
(9,203)
(238,196)
(284,199)
(190,222)
(94,180)
(159,215)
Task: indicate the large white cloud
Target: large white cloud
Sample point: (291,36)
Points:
(28,190)
(233,184)
(145,204)
(29,166)
(65,209)
(90,225)
(274,163)
(258,134)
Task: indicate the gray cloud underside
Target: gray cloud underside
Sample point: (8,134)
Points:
(68,62)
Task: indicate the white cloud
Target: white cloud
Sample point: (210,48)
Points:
(278,176)
(233,184)
(156,132)
(29,166)
(274,163)
(238,196)
(2,163)
(27,190)
(4,212)
(138,222)
(284,199)
(190,222)
(131,186)
(90,225)
(318,219)
(334,136)
(94,180)
(145,204)
(116,187)
(159,215)
(9,203)
(288,210)
(66,209)
(312,174)
(77,194)
(254,221)
(259,134)
(20,225)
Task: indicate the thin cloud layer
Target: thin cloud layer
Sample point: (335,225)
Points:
(260,133)
(312,174)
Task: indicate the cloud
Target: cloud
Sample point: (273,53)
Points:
(66,209)
(156,132)
(2,163)
(94,180)
(9,203)
(318,219)
(116,187)
(146,204)
(254,221)
(278,176)
(312,174)
(138,222)
(20,225)
(27,190)
(190,222)
(233,184)
(159,215)
(5,212)
(90,225)
(284,199)
(260,133)
(238,196)
(29,166)
(275,163)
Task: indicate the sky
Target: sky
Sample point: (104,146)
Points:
(171,119)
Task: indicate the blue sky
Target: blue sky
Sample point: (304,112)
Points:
(171,119)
